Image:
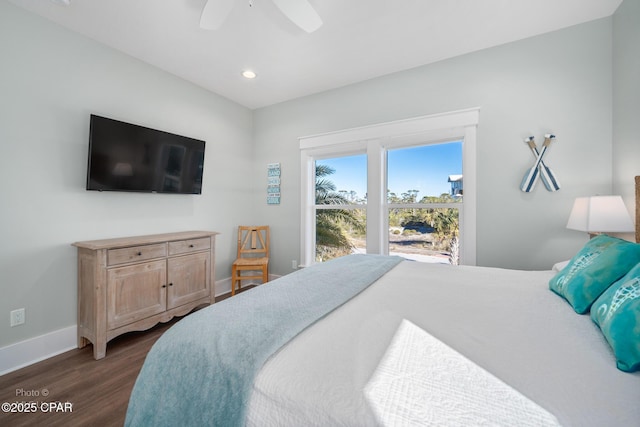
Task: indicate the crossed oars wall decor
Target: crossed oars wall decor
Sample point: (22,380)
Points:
(539,170)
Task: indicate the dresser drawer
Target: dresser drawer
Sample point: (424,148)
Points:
(191,245)
(136,253)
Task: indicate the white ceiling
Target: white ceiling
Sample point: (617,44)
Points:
(360,39)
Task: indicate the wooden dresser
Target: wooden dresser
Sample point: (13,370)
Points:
(132,283)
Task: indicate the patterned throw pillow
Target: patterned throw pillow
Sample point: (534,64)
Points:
(617,313)
(600,263)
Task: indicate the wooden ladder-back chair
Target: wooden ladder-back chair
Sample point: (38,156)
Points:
(253,256)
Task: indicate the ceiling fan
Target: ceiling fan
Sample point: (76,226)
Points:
(300,12)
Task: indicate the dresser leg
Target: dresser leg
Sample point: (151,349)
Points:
(82,342)
(99,350)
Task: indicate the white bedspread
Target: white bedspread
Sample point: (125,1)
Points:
(507,322)
(422,381)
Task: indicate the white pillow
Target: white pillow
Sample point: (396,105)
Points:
(558,266)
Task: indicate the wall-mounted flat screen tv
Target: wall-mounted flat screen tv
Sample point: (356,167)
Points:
(128,157)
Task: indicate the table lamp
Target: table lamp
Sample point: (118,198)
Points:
(600,214)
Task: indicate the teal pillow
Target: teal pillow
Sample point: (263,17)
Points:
(617,314)
(600,263)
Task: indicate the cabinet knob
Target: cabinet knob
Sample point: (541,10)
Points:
(139,253)
(170,284)
(190,246)
(164,286)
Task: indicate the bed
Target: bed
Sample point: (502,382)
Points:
(369,340)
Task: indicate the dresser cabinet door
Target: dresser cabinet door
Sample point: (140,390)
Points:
(188,278)
(135,292)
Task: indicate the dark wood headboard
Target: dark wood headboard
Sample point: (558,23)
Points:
(638,209)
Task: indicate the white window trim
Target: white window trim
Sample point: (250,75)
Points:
(375,140)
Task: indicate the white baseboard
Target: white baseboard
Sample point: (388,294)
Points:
(33,350)
(224,286)
(36,349)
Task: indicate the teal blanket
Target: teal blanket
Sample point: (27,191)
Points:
(201,371)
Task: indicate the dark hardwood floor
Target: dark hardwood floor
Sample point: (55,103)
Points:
(91,392)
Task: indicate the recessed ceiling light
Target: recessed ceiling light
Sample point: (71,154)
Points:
(248,74)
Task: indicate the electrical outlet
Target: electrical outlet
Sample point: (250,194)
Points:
(294,264)
(17,317)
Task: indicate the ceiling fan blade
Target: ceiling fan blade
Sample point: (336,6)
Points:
(214,14)
(301,13)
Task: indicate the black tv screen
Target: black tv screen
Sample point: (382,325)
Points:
(128,157)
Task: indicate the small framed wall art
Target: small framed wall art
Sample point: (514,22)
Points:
(273,183)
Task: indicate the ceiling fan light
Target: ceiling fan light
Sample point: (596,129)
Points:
(248,74)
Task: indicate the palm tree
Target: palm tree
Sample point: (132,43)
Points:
(331,237)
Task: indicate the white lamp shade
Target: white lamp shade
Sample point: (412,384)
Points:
(600,214)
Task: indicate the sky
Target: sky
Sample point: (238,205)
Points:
(425,168)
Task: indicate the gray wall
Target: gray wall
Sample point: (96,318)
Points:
(560,82)
(626,99)
(50,81)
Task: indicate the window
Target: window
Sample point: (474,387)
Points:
(368,217)
(340,213)
(423,205)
